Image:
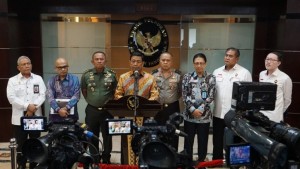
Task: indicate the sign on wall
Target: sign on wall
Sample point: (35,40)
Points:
(150,37)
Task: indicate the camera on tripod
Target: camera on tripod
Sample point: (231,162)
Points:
(61,148)
(152,142)
(264,143)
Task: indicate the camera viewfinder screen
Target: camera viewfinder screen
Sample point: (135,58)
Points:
(119,127)
(33,124)
(239,155)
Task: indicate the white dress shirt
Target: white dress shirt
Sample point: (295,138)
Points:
(283,95)
(23,91)
(224,84)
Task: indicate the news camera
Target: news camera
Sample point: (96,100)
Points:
(61,148)
(263,143)
(152,142)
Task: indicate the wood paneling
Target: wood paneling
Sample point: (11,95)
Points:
(20,35)
(5,125)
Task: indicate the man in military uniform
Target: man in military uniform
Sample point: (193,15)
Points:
(98,86)
(169,85)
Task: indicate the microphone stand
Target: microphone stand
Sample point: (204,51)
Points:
(136,90)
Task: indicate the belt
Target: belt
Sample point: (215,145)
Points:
(169,104)
(98,108)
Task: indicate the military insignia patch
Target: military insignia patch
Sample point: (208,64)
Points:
(150,37)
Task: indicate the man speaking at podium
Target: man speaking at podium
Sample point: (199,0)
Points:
(136,80)
(146,83)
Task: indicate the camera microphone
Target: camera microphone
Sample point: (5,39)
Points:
(89,134)
(180,133)
(172,129)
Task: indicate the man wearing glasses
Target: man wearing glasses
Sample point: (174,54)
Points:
(284,86)
(225,76)
(63,93)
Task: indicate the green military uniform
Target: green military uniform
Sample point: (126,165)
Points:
(100,87)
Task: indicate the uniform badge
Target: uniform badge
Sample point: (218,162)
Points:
(107,74)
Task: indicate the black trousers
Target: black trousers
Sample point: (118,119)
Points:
(95,119)
(21,136)
(218,138)
(202,131)
(163,116)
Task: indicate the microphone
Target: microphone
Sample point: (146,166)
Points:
(89,134)
(180,133)
(136,74)
(172,129)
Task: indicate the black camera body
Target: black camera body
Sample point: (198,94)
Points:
(271,145)
(253,96)
(152,142)
(61,148)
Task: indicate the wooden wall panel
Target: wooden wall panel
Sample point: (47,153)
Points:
(5,125)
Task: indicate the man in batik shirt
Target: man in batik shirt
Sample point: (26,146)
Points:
(146,85)
(63,93)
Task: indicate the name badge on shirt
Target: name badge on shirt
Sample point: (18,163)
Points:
(219,78)
(36,89)
(204,95)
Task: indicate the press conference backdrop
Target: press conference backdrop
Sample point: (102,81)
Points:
(75,38)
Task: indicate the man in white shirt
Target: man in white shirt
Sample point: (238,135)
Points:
(225,76)
(284,86)
(26,94)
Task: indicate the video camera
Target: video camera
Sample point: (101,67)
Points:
(61,148)
(152,142)
(266,144)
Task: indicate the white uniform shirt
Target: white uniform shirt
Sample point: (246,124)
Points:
(283,95)
(224,85)
(21,92)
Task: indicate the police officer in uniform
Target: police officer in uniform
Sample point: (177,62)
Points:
(169,85)
(98,86)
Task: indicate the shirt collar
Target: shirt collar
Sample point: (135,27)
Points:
(275,73)
(235,67)
(66,78)
(104,71)
(160,72)
(132,74)
(195,75)
(20,76)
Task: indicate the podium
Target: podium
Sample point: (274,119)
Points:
(124,107)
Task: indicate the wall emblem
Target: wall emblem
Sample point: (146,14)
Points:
(150,37)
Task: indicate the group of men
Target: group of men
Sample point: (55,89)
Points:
(27,92)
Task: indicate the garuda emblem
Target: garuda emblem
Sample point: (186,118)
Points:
(149,37)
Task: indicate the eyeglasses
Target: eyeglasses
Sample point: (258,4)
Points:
(271,60)
(62,67)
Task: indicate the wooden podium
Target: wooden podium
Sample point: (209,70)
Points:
(124,107)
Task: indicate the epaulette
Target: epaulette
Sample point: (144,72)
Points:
(110,70)
(154,71)
(87,71)
(177,71)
